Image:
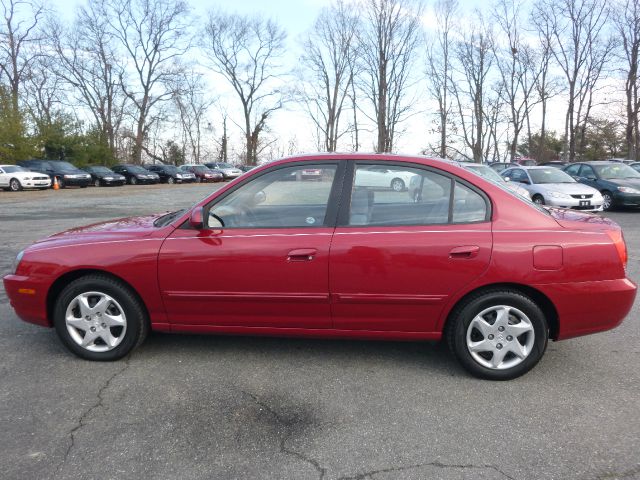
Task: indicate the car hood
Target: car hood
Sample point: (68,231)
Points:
(625,182)
(576,220)
(568,188)
(119,229)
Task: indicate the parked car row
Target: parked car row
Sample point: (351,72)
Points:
(41,174)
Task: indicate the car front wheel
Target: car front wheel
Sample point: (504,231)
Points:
(99,318)
(538,199)
(14,185)
(498,335)
(170,181)
(607,200)
(397,185)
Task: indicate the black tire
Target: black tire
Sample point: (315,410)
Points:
(84,186)
(133,180)
(463,314)
(198,180)
(137,324)
(539,199)
(170,181)
(397,185)
(97,183)
(607,204)
(15,185)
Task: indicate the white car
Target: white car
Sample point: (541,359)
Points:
(553,187)
(14,178)
(379,177)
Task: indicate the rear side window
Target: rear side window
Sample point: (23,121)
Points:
(391,195)
(573,170)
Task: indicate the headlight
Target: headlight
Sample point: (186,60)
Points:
(628,190)
(559,195)
(17,261)
(68,176)
(108,178)
(27,178)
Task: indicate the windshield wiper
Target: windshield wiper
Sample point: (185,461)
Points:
(167,218)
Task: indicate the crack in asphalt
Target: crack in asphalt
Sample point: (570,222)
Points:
(371,473)
(80,423)
(288,423)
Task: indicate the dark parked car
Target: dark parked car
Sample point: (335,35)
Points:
(246,168)
(136,174)
(66,174)
(618,183)
(555,163)
(499,166)
(171,174)
(203,173)
(335,258)
(635,166)
(103,176)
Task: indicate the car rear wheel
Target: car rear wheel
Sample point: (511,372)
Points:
(96,182)
(15,185)
(607,200)
(397,185)
(170,181)
(539,199)
(498,335)
(133,180)
(99,318)
(198,179)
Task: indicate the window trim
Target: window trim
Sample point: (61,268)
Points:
(333,201)
(347,190)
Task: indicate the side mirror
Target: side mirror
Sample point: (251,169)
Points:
(196,219)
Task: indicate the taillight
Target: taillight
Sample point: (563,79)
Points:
(617,237)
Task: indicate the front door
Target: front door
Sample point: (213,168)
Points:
(397,256)
(262,259)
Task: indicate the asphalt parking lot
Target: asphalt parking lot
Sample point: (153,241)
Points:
(206,407)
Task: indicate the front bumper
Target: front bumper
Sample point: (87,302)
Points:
(76,182)
(589,307)
(28,298)
(587,205)
(36,183)
(626,199)
(147,181)
(116,182)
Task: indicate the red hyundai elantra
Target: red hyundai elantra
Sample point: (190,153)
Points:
(374,246)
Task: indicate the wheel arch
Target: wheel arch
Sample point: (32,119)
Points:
(63,280)
(545,304)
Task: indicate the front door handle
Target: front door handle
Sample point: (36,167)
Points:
(465,251)
(301,255)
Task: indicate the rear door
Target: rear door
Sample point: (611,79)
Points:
(397,256)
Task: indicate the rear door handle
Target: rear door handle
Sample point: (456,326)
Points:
(301,255)
(465,251)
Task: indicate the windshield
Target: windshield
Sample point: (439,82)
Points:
(135,169)
(64,165)
(616,171)
(99,170)
(201,169)
(14,169)
(170,169)
(486,172)
(549,175)
(224,165)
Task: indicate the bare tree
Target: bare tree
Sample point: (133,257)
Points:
(18,37)
(87,60)
(153,34)
(439,57)
(246,50)
(192,105)
(627,23)
(517,65)
(388,42)
(328,59)
(471,89)
(581,50)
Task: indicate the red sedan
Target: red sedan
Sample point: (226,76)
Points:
(461,259)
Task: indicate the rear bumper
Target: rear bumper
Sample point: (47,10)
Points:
(28,298)
(590,307)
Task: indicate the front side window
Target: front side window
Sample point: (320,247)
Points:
(282,198)
(517,175)
(388,196)
(573,170)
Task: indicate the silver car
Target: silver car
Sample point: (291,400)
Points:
(550,186)
(490,174)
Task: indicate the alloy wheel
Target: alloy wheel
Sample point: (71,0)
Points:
(14,185)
